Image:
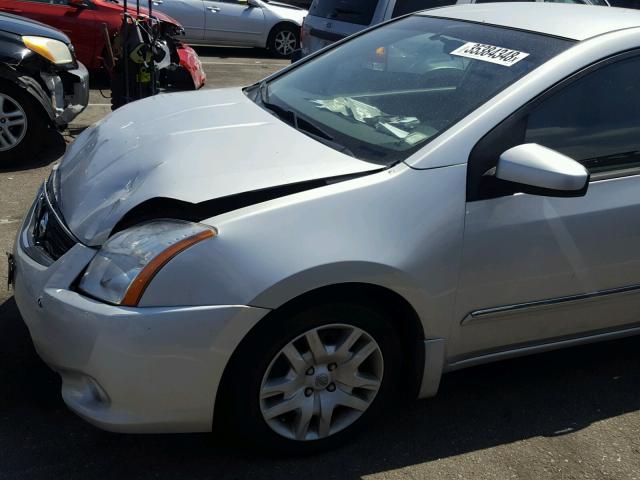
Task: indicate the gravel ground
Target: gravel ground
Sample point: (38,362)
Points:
(573,414)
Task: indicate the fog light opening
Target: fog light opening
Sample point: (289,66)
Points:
(96,391)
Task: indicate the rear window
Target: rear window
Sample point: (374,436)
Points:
(409,6)
(352,11)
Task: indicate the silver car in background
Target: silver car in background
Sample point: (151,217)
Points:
(283,261)
(332,20)
(247,23)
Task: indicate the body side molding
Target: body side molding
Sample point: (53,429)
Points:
(488,314)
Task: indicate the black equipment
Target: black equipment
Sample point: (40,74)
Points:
(136,52)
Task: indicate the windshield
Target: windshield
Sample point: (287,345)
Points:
(385,94)
(352,11)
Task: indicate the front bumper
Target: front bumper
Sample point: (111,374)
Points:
(69,93)
(136,370)
(190,61)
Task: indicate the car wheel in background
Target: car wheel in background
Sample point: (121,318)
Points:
(22,124)
(284,40)
(308,380)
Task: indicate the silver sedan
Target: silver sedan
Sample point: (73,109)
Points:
(248,23)
(283,261)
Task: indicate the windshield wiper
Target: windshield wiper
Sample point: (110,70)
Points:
(326,139)
(300,124)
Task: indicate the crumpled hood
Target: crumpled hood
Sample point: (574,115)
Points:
(192,147)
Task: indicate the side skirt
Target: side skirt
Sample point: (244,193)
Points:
(539,348)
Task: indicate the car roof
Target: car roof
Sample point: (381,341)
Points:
(573,21)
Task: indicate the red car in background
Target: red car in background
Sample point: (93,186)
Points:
(83,20)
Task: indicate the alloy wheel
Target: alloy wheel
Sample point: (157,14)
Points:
(285,42)
(13,122)
(321,382)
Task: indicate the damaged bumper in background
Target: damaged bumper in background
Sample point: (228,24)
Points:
(68,93)
(190,61)
(185,71)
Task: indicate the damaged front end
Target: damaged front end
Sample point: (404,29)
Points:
(68,93)
(54,237)
(61,90)
(162,207)
(190,157)
(156,59)
(184,71)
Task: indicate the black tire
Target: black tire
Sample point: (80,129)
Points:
(238,407)
(273,43)
(36,126)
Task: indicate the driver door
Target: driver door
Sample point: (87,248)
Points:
(233,22)
(540,269)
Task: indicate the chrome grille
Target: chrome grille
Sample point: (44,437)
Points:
(47,231)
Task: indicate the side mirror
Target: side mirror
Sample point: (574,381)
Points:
(77,3)
(253,4)
(542,171)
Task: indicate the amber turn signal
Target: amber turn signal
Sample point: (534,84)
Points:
(139,285)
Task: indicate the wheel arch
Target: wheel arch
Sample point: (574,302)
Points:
(405,320)
(282,23)
(366,293)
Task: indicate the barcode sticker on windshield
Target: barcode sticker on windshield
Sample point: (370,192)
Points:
(490,53)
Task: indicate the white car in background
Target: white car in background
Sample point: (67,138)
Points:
(246,23)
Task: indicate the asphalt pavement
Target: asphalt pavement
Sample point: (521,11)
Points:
(572,414)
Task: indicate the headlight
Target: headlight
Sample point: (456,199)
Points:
(53,50)
(128,261)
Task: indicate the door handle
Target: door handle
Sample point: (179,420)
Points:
(157,2)
(213,9)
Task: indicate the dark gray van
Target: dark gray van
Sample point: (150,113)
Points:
(332,20)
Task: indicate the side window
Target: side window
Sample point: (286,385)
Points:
(594,120)
(403,7)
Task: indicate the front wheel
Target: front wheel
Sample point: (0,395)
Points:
(283,41)
(309,381)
